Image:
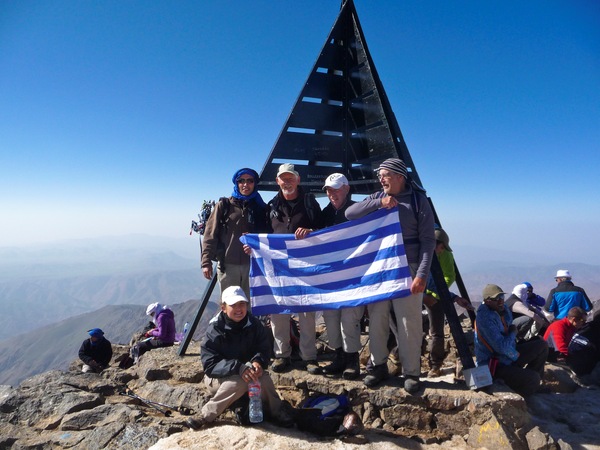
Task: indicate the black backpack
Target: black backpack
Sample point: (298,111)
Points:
(324,415)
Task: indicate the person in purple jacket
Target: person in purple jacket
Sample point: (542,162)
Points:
(163,335)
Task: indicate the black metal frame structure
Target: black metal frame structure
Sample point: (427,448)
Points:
(342,121)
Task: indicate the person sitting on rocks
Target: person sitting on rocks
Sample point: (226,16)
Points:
(530,322)
(560,332)
(95,352)
(533,300)
(584,350)
(521,365)
(235,352)
(161,336)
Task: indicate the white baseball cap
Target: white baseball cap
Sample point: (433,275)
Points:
(563,274)
(335,181)
(233,295)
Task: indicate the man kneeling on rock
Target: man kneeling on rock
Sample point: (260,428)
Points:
(236,352)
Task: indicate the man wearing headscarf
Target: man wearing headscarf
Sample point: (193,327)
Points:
(95,352)
(417,222)
(243,212)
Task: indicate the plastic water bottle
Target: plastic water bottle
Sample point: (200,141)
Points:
(186,327)
(255,411)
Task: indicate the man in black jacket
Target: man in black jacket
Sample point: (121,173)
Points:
(95,352)
(294,211)
(234,353)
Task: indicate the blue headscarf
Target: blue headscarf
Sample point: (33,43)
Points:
(96,332)
(255,195)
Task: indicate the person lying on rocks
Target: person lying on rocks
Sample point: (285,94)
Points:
(234,353)
(95,352)
(519,365)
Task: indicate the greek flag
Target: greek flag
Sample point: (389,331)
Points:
(351,264)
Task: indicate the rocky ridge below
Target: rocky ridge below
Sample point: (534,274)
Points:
(89,411)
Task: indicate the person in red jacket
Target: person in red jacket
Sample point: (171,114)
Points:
(559,333)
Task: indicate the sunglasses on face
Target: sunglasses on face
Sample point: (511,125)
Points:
(245,180)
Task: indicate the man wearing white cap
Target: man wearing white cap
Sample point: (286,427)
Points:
(236,352)
(417,222)
(565,296)
(293,211)
(343,325)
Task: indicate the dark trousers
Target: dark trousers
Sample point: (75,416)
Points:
(437,352)
(148,345)
(525,374)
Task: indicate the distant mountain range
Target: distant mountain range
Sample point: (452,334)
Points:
(76,285)
(43,285)
(56,346)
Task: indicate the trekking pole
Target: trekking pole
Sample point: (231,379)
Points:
(129,393)
(183,410)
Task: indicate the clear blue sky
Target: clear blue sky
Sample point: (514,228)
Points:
(121,117)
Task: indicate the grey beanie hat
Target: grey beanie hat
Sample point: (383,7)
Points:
(395,165)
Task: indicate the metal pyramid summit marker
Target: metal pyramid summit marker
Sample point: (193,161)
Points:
(342,120)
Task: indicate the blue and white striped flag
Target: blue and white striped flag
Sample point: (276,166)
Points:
(351,264)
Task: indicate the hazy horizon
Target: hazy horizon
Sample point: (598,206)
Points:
(122,117)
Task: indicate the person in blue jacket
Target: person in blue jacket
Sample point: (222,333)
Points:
(565,296)
(520,366)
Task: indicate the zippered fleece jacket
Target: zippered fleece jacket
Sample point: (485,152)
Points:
(564,297)
(226,349)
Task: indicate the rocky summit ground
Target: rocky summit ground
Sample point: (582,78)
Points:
(89,411)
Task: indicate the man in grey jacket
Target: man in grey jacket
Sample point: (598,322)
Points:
(417,223)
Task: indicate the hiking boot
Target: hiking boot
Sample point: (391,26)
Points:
(313,367)
(435,372)
(280,364)
(376,375)
(411,384)
(338,364)
(135,354)
(196,422)
(352,370)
